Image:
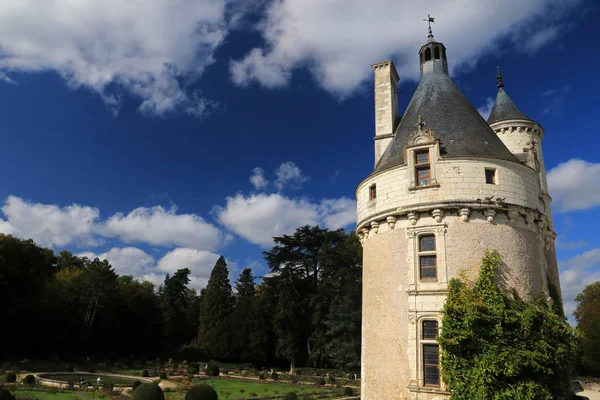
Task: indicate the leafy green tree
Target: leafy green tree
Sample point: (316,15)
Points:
(587,315)
(24,270)
(215,308)
(322,266)
(498,346)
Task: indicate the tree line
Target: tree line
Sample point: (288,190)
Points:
(306,311)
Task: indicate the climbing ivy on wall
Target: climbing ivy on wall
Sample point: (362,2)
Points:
(498,346)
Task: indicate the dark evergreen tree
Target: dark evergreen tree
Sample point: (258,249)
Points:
(240,322)
(215,309)
(173,295)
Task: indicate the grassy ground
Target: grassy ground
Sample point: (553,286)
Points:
(41,395)
(235,389)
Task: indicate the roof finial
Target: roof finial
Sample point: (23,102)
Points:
(499,77)
(429,20)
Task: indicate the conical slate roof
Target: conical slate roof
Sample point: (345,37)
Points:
(455,122)
(504,108)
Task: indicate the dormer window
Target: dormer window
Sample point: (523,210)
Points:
(422,168)
(436,53)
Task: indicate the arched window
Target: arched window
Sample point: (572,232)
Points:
(436,53)
(427,54)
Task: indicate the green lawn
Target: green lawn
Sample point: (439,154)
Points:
(230,389)
(31,394)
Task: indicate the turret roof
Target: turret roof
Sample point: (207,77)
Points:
(505,109)
(461,130)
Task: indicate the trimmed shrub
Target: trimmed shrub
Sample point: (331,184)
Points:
(212,369)
(148,391)
(91,368)
(348,391)
(294,379)
(163,375)
(331,379)
(5,395)
(29,380)
(135,385)
(274,376)
(145,373)
(201,392)
(321,381)
(291,396)
(69,368)
(262,376)
(11,377)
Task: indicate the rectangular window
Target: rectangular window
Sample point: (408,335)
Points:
(427,258)
(430,330)
(372,192)
(422,157)
(422,170)
(431,365)
(423,176)
(490,176)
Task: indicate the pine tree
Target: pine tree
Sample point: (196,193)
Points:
(173,304)
(215,308)
(242,317)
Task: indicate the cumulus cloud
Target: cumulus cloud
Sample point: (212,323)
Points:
(574,185)
(50,225)
(258,179)
(576,273)
(164,227)
(77,225)
(337,40)
(289,176)
(486,108)
(141,265)
(259,217)
(151,49)
(125,261)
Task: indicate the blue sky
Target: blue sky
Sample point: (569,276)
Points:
(162,134)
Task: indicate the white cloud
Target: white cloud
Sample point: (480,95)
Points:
(576,273)
(162,227)
(258,179)
(337,40)
(259,217)
(486,109)
(289,176)
(574,185)
(125,261)
(50,225)
(200,263)
(76,225)
(152,49)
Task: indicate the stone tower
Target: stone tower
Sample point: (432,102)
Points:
(446,186)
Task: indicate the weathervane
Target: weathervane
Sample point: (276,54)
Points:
(429,20)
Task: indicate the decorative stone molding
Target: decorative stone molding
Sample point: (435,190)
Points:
(365,232)
(412,319)
(413,217)
(490,214)
(375,227)
(438,215)
(361,237)
(529,218)
(513,215)
(464,214)
(391,221)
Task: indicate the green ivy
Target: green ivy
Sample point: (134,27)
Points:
(496,346)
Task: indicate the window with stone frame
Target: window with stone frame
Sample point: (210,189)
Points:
(372,192)
(427,258)
(431,353)
(422,168)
